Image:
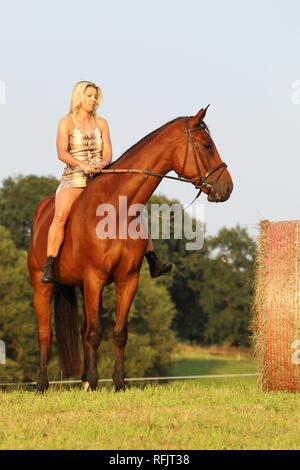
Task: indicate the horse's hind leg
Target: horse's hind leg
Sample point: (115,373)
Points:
(42,305)
(125,294)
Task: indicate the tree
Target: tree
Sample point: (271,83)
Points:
(19,197)
(212,290)
(227,287)
(186,292)
(17,318)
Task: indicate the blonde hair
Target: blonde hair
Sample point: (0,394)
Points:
(77,96)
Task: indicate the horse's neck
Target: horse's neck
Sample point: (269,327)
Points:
(154,155)
(148,154)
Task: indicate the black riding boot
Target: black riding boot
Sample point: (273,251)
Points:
(48,272)
(156,267)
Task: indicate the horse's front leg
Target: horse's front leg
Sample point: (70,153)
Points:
(84,345)
(91,329)
(125,294)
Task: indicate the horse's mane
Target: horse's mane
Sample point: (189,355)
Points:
(151,134)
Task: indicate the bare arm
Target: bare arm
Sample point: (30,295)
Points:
(107,148)
(62,144)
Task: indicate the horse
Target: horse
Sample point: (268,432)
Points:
(90,263)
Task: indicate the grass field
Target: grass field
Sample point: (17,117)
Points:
(216,413)
(196,360)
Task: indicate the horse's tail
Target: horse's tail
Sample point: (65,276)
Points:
(66,328)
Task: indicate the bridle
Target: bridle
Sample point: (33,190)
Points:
(200,181)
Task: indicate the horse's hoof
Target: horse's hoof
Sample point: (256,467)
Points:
(90,385)
(42,387)
(119,388)
(86,386)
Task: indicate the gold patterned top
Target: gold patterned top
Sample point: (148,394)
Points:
(83,147)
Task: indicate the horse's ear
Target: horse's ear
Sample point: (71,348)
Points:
(198,117)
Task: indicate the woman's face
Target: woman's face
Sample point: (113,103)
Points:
(90,96)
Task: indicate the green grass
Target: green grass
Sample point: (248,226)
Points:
(206,366)
(218,413)
(179,416)
(201,361)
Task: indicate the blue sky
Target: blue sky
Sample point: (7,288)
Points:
(155,61)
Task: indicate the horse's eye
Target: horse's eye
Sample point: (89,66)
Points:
(208,146)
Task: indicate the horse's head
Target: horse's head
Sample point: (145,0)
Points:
(199,161)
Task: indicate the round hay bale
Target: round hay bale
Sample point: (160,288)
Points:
(276,307)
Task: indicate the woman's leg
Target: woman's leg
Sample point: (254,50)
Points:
(63,203)
(149,244)
(156,266)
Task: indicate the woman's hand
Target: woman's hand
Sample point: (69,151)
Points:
(104,163)
(91,169)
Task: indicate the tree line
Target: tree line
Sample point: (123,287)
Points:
(205,298)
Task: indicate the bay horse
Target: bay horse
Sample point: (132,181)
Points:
(183,145)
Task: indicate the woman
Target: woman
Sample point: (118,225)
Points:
(83,143)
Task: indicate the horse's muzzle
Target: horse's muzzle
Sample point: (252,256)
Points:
(220,194)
